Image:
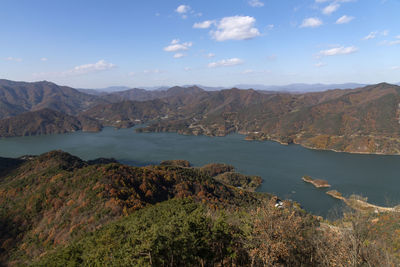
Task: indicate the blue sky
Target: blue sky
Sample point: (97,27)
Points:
(100,43)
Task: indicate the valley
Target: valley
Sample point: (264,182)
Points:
(362,120)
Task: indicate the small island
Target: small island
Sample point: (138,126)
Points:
(318,183)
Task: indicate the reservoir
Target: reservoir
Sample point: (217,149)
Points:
(281,167)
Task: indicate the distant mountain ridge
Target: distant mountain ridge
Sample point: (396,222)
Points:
(362,120)
(301,87)
(295,87)
(106,90)
(19,97)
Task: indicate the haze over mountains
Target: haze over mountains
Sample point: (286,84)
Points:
(296,87)
(364,120)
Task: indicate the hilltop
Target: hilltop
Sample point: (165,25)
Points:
(58,210)
(50,199)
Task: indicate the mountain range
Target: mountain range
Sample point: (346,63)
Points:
(362,120)
(20,97)
(296,87)
(59,210)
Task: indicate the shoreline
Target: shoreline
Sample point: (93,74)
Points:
(318,183)
(361,204)
(245,134)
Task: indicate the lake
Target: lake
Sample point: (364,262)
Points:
(374,176)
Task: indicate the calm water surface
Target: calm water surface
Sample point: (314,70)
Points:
(281,167)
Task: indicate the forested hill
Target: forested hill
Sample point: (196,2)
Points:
(20,97)
(362,120)
(46,121)
(58,210)
(49,200)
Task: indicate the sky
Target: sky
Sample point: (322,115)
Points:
(144,43)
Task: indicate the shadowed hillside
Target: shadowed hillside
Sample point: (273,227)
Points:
(46,121)
(19,97)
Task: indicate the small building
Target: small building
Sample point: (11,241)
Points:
(278,203)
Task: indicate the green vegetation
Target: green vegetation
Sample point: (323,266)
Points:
(172,233)
(57,210)
(239,180)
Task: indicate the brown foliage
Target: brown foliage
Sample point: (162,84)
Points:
(281,237)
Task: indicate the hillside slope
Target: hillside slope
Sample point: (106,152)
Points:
(19,97)
(57,210)
(364,120)
(46,121)
(54,198)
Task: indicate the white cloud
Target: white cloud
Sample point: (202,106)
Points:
(187,69)
(311,23)
(384,42)
(100,65)
(338,51)
(210,55)
(256,3)
(13,59)
(226,63)
(178,55)
(344,19)
(396,42)
(43,59)
(154,71)
(204,25)
(250,71)
(371,35)
(182,9)
(235,28)
(385,32)
(330,8)
(319,64)
(270,26)
(146,72)
(175,46)
(395,68)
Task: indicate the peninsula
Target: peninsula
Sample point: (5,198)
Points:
(318,183)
